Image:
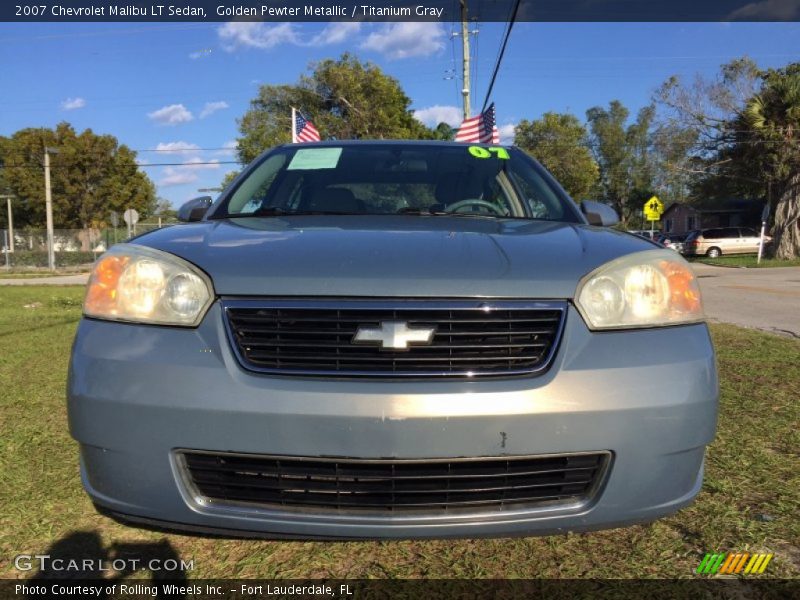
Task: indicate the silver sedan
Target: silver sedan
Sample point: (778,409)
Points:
(392,340)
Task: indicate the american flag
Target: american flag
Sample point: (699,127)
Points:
(303,130)
(482,128)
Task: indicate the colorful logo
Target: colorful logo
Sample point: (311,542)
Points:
(733,562)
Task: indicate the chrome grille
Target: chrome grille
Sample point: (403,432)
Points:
(383,485)
(471,339)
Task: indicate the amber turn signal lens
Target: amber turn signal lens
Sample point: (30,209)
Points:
(684,292)
(101,296)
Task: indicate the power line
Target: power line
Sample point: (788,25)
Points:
(179,151)
(177,164)
(502,52)
(191,164)
(164,150)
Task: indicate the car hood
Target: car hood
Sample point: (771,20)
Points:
(394,255)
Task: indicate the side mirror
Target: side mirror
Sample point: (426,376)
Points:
(599,214)
(194,209)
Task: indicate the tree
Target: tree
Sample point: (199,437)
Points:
(164,209)
(91,175)
(745,123)
(623,153)
(228,179)
(345,99)
(672,162)
(5,188)
(701,113)
(444,131)
(772,143)
(559,142)
(641,168)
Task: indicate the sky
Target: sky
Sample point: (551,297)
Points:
(174,91)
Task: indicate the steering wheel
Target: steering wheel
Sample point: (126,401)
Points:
(453,208)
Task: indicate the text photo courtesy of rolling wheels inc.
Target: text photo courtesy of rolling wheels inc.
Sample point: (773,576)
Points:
(450,299)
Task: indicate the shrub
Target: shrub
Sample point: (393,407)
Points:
(38,258)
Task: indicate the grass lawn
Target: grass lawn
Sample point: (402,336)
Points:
(748,260)
(750,501)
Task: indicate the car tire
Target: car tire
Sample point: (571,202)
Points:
(714,253)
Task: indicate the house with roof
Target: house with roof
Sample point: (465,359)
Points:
(680,218)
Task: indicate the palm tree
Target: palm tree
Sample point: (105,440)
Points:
(772,135)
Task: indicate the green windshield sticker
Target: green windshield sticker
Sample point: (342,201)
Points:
(481,152)
(310,159)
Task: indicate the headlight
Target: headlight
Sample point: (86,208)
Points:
(646,289)
(136,283)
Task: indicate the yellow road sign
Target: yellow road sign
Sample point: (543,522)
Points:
(653,209)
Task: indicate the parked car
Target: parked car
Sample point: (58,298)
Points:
(645,233)
(662,239)
(391,340)
(723,240)
(673,241)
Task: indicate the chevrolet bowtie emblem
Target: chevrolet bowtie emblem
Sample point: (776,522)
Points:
(394,335)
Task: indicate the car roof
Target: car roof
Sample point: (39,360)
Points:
(720,228)
(345,143)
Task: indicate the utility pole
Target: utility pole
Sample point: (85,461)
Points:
(465,57)
(10,223)
(48,200)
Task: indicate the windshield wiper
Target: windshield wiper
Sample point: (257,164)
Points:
(410,210)
(444,213)
(303,213)
(272,211)
(277,211)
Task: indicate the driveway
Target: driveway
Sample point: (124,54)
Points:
(767,299)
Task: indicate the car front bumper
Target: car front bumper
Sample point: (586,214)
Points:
(138,393)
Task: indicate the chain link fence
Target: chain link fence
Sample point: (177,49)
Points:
(72,247)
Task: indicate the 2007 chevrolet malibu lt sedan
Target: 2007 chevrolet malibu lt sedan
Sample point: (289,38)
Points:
(392,340)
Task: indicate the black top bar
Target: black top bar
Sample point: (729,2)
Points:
(397,10)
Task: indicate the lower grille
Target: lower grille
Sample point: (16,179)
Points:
(432,485)
(467,338)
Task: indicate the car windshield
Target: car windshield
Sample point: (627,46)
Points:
(412,179)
